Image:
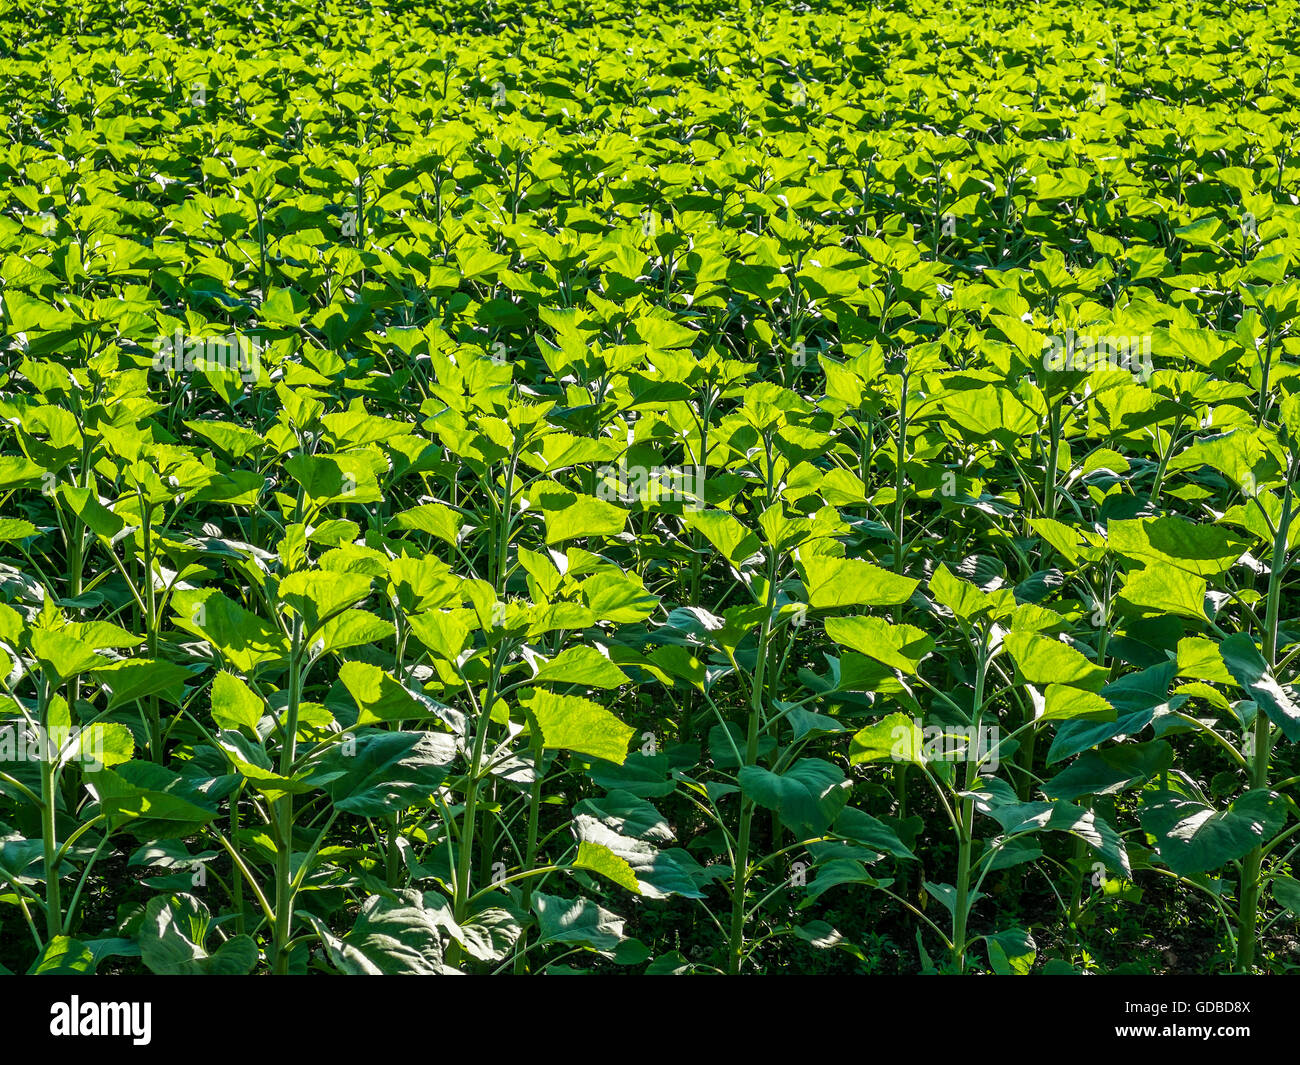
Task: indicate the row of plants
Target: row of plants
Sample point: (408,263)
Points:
(647,488)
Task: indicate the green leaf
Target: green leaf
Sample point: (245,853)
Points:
(895,738)
(1111,770)
(1286,892)
(432,518)
(808,796)
(319,595)
(658,872)
(1202,659)
(1063,703)
(862,828)
(84,503)
(18,472)
(600,859)
(242,638)
(898,646)
(581,665)
(581,516)
(1194,838)
(836,582)
(343,478)
(1247,665)
(353,628)
(577,922)
(381,697)
(1042,660)
(628,815)
(136,679)
(572,723)
(63,956)
(961,597)
(996,799)
(64,655)
(443,633)
(386,772)
(104,745)
(1011,952)
(393,937)
(1165,590)
(16,529)
(150,800)
(1201,550)
(618,597)
(235,704)
(283,307)
(990,412)
(68,956)
(172,938)
(731,539)
(1137,699)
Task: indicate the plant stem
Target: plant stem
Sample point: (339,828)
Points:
(465,856)
(1248,910)
(966,824)
(530,847)
(49,829)
(151,631)
(284,810)
(736,945)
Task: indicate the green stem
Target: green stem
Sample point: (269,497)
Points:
(736,951)
(530,847)
(237,891)
(151,632)
(49,830)
(1053,452)
(465,856)
(966,825)
(284,810)
(392,856)
(1248,910)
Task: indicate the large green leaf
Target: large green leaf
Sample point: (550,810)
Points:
(1248,667)
(1194,838)
(808,795)
(381,697)
(577,923)
(173,937)
(1161,543)
(895,738)
(402,936)
(572,723)
(656,872)
(1042,660)
(898,646)
(582,665)
(571,518)
(385,772)
(836,582)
